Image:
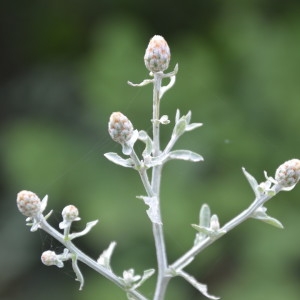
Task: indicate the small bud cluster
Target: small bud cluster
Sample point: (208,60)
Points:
(29,204)
(288,174)
(157,56)
(120,128)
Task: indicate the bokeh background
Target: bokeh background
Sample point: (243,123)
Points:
(64,69)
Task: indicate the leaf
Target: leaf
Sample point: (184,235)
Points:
(153,211)
(87,229)
(118,160)
(148,149)
(185,155)
(177,116)
(208,231)
(143,135)
(260,214)
(126,149)
(274,222)
(204,216)
(164,120)
(253,183)
(202,288)
(105,257)
(193,126)
(147,274)
(180,126)
(188,117)
(204,222)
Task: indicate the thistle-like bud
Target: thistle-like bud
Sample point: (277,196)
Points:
(288,174)
(49,258)
(157,56)
(120,128)
(29,204)
(70,213)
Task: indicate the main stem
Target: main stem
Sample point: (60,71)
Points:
(162,263)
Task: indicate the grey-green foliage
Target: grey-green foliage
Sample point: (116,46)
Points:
(243,85)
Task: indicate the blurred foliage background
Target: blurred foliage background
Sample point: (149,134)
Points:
(64,69)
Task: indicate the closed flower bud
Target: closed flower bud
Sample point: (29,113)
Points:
(288,174)
(49,258)
(29,204)
(70,213)
(157,56)
(120,128)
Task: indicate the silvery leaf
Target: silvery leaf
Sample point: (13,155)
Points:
(193,126)
(185,155)
(260,214)
(153,211)
(105,257)
(202,288)
(253,182)
(115,158)
(147,274)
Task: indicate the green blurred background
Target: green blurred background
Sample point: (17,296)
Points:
(64,68)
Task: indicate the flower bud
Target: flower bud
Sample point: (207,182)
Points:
(70,213)
(288,174)
(49,258)
(120,128)
(157,56)
(29,204)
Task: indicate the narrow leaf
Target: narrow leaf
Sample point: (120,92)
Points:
(260,214)
(118,160)
(105,258)
(147,274)
(204,216)
(208,231)
(177,116)
(153,211)
(274,222)
(204,222)
(202,288)
(185,155)
(180,126)
(86,230)
(252,181)
(193,126)
(188,117)
(143,135)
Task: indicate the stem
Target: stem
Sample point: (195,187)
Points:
(243,216)
(158,234)
(44,225)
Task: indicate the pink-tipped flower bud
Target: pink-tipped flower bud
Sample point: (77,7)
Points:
(120,128)
(29,204)
(157,56)
(70,213)
(49,258)
(288,174)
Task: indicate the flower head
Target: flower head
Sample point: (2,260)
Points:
(120,128)
(49,258)
(157,55)
(288,174)
(70,214)
(29,204)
